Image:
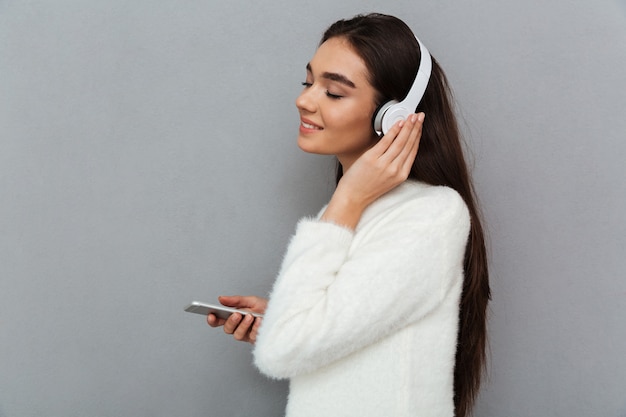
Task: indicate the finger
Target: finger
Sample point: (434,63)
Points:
(232,323)
(414,135)
(404,141)
(244,327)
(255,329)
(214,321)
(237,301)
(419,127)
(413,142)
(388,139)
(231,300)
(409,159)
(418,123)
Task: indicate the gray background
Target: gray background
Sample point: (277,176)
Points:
(148,158)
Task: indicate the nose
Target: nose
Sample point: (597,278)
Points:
(305,101)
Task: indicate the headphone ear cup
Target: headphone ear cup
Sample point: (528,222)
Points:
(393,111)
(379,116)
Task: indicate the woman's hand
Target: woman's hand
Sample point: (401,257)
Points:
(243,327)
(380,169)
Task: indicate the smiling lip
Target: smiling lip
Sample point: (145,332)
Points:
(308,126)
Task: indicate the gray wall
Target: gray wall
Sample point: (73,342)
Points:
(148,158)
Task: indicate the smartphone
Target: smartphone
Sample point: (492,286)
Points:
(220,311)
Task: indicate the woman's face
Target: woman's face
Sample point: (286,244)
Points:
(337,104)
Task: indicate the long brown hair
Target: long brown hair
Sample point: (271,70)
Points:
(391,53)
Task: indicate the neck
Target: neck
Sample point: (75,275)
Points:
(347,160)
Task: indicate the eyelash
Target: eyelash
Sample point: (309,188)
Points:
(328,93)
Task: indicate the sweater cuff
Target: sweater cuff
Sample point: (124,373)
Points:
(332,232)
(317,248)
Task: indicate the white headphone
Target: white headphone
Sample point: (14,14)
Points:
(393,111)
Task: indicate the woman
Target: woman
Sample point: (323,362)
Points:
(380,305)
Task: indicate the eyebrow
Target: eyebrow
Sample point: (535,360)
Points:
(333,76)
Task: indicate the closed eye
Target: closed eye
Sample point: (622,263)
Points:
(333,96)
(307,84)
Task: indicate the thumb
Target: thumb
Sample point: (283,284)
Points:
(236,301)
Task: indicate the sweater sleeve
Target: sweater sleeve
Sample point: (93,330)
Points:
(338,291)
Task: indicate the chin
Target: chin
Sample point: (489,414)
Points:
(308,146)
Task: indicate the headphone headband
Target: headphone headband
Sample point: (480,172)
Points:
(392,111)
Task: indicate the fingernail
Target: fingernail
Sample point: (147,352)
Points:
(421,117)
(413,118)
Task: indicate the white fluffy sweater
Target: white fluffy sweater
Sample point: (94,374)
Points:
(364,323)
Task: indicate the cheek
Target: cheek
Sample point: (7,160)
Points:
(352,120)
(362,125)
